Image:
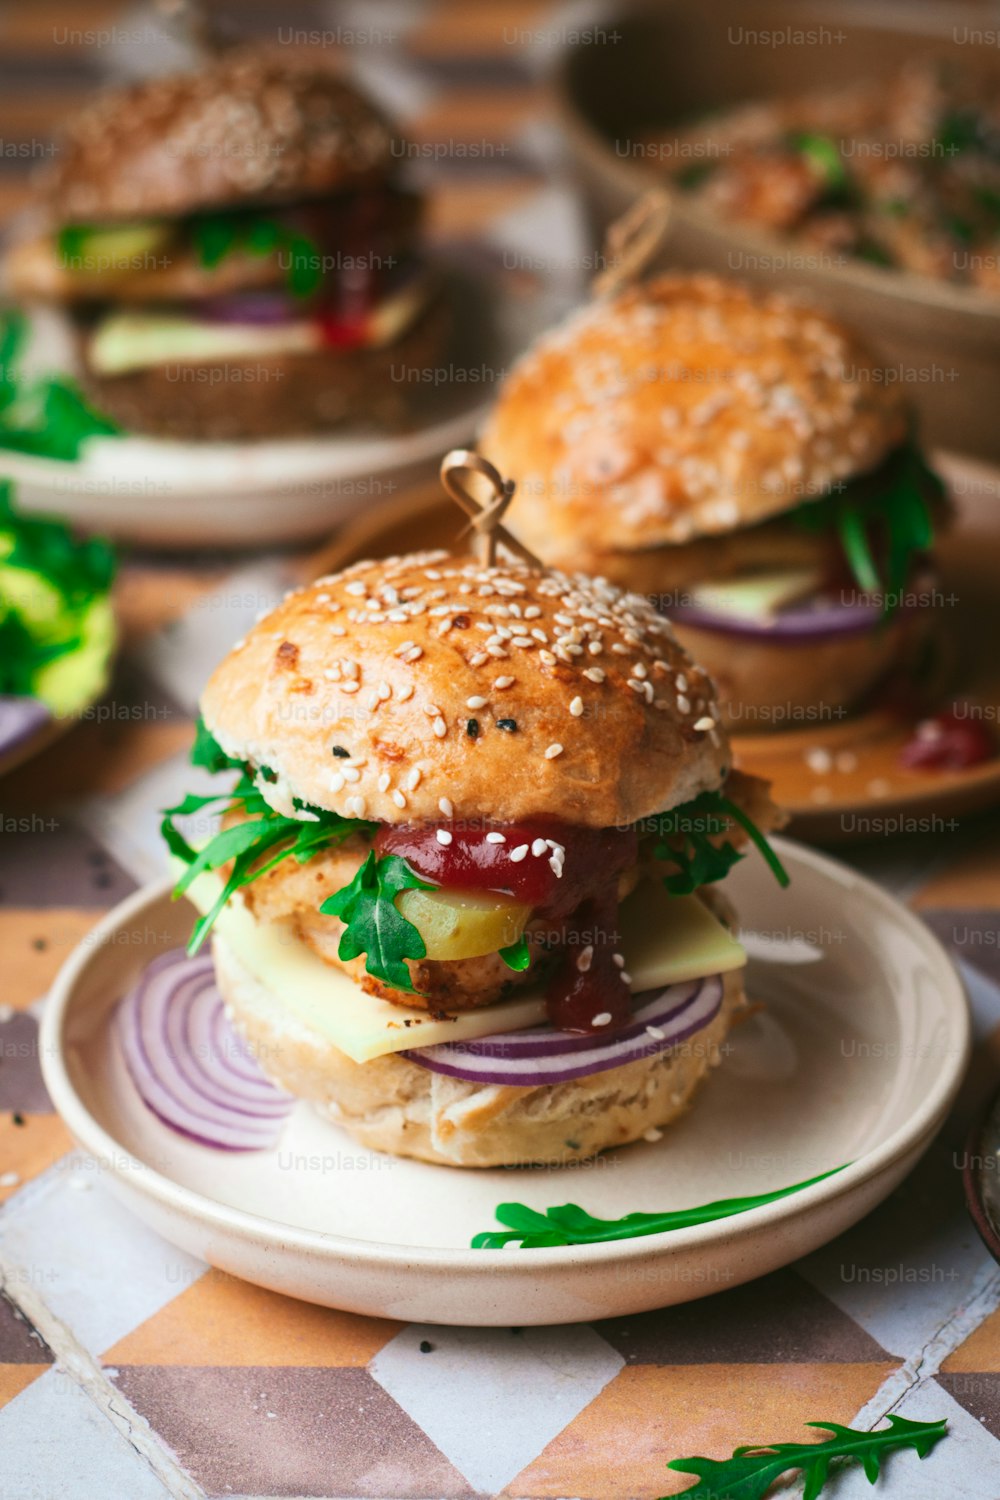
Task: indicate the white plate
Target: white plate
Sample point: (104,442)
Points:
(856,1058)
(172,494)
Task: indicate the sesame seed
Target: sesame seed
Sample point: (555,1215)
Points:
(351,774)
(618,960)
(626,978)
(532,612)
(398,798)
(475,702)
(440,728)
(594,674)
(657,1032)
(336,782)
(443,837)
(509,726)
(639,670)
(521,852)
(384,691)
(604,1019)
(413,778)
(576,707)
(340,752)
(383,782)
(414,654)
(683,704)
(547,658)
(522,640)
(405,694)
(496,838)
(445,805)
(704,723)
(652,1135)
(357,587)
(502,682)
(595,648)
(357,805)
(350,687)
(553,750)
(584,959)
(538,846)
(478,659)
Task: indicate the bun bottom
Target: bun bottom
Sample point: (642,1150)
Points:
(280,396)
(392,1104)
(764,685)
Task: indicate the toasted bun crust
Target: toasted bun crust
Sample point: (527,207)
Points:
(392,1104)
(683,407)
(248,128)
(413,666)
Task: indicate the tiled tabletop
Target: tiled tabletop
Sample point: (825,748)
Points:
(129,1369)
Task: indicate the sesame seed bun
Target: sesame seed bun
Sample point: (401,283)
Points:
(393,1104)
(459,690)
(684,407)
(248,128)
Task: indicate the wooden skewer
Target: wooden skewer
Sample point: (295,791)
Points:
(631,242)
(484,519)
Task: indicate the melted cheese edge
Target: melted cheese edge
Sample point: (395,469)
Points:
(665,940)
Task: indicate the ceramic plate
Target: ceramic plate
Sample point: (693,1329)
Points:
(854,1057)
(856,787)
(172,494)
(981,1177)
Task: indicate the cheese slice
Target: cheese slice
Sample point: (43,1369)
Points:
(665,940)
(760,596)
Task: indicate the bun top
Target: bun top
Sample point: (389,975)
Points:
(248,128)
(683,407)
(423,688)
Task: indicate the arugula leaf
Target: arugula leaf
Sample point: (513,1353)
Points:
(206,751)
(685,838)
(217,235)
(259,841)
(572,1225)
(518,955)
(45,415)
(896,503)
(373,924)
(754,1468)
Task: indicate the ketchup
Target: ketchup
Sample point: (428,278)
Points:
(947,743)
(567,875)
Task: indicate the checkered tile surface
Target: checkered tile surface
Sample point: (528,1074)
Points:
(128,1369)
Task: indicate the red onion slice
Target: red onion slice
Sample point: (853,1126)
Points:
(260,309)
(800,622)
(672,1023)
(20,720)
(179,1051)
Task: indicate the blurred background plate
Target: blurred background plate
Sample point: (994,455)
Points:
(181,495)
(672,63)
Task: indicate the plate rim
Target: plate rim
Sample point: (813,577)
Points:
(909,1139)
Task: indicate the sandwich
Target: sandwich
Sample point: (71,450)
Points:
(235,253)
(745,463)
(463,896)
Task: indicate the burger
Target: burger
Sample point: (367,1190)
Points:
(235,252)
(747,464)
(463,896)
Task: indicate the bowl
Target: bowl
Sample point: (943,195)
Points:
(666,63)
